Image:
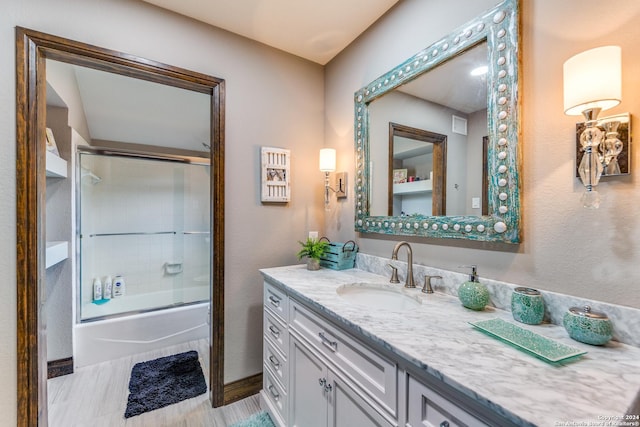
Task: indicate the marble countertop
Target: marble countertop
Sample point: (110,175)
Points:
(601,386)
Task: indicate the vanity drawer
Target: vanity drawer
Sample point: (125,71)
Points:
(375,374)
(276,332)
(276,301)
(427,407)
(275,397)
(276,363)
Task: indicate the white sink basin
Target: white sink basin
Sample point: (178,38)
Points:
(378,295)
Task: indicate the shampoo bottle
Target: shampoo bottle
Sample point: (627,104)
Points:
(97,289)
(472,293)
(118,286)
(107,288)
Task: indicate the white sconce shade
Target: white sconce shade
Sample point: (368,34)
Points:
(327,160)
(593,79)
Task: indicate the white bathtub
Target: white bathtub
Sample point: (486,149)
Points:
(108,339)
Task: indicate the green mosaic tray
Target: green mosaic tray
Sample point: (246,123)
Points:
(541,347)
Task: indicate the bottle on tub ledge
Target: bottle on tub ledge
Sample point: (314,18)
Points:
(97,289)
(119,286)
(107,288)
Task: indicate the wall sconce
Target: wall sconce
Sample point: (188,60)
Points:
(593,83)
(328,165)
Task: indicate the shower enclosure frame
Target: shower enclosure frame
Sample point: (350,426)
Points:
(129,154)
(32,50)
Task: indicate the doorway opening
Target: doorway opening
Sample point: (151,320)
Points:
(33,51)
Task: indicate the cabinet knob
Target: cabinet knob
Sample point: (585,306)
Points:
(274,361)
(333,345)
(444,424)
(274,331)
(275,301)
(322,382)
(328,388)
(273,392)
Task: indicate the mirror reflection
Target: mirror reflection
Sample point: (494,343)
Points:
(417,163)
(450,101)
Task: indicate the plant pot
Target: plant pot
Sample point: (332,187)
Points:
(313,264)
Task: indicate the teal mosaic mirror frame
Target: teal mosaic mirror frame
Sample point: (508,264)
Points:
(500,28)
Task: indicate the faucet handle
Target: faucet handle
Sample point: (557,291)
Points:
(394,274)
(427,289)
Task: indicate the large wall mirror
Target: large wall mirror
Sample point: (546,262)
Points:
(461,95)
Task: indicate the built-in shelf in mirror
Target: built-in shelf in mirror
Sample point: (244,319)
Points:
(415,187)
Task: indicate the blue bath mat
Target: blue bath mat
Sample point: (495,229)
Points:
(261,419)
(161,382)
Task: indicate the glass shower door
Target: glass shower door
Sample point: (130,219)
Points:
(146,221)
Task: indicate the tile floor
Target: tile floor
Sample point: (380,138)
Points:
(96,396)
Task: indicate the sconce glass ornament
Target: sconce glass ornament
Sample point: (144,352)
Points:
(611,147)
(590,168)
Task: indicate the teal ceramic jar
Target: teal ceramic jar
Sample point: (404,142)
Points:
(473,295)
(527,306)
(588,326)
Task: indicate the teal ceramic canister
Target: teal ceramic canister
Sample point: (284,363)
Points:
(588,326)
(527,306)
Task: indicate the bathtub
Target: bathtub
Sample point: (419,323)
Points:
(112,338)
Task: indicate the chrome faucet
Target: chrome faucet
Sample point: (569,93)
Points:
(409,283)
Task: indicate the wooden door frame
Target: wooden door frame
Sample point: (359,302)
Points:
(32,49)
(439,185)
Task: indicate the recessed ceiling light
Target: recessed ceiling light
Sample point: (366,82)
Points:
(480,71)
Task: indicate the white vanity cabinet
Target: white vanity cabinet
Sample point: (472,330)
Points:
(274,395)
(335,380)
(318,374)
(320,397)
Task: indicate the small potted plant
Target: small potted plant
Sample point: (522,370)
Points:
(313,249)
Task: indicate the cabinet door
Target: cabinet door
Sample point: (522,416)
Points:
(425,407)
(307,381)
(347,408)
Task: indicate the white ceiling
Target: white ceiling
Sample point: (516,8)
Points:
(122,109)
(313,29)
(451,83)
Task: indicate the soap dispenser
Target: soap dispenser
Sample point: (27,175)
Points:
(472,293)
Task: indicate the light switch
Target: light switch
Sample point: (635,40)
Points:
(475,203)
(313,235)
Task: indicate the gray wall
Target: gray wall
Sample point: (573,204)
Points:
(476,130)
(566,248)
(272,99)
